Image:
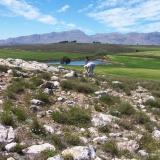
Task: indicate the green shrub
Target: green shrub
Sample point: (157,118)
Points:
(7,119)
(109,100)
(72,139)
(68,157)
(126,124)
(35,82)
(111,147)
(78,86)
(42,96)
(18,148)
(7,105)
(37,128)
(104,129)
(126,108)
(149,144)
(45,76)
(48,153)
(150,126)
(153,103)
(16,87)
(74,116)
(58,142)
(20,114)
(141,118)
(3,68)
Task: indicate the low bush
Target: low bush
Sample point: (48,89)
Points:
(126,108)
(153,103)
(7,105)
(17,86)
(7,118)
(126,124)
(35,82)
(20,114)
(37,128)
(68,157)
(74,116)
(42,96)
(18,148)
(149,144)
(109,100)
(45,76)
(48,153)
(111,147)
(3,68)
(104,129)
(72,139)
(141,118)
(58,142)
(78,86)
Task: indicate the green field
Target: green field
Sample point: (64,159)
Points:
(140,62)
(38,55)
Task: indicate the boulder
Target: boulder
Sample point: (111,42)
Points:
(36,149)
(100,93)
(143,153)
(52,69)
(57,157)
(156,134)
(100,119)
(56,84)
(48,129)
(9,147)
(54,78)
(100,140)
(130,145)
(37,102)
(61,99)
(10,158)
(7,134)
(70,75)
(116,82)
(48,91)
(80,153)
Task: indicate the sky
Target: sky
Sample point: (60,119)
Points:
(25,17)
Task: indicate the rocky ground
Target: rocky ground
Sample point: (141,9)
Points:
(51,113)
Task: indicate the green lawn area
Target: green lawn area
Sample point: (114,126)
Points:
(130,66)
(149,54)
(141,65)
(136,73)
(136,62)
(38,55)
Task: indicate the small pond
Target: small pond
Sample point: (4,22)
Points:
(78,62)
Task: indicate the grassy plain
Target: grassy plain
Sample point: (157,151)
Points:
(138,62)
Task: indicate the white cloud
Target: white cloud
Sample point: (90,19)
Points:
(64,8)
(122,15)
(86,8)
(22,8)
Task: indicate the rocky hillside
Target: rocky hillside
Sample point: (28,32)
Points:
(51,113)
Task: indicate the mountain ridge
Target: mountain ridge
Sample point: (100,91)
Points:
(131,38)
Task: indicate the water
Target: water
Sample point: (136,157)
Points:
(78,62)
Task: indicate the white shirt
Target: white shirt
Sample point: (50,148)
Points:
(90,64)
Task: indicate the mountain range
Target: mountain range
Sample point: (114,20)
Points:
(132,38)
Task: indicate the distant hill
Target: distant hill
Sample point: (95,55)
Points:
(79,36)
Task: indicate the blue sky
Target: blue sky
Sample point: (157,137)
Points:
(24,17)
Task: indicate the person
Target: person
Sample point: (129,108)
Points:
(89,68)
(86,60)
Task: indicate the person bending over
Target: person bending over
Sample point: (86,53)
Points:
(89,69)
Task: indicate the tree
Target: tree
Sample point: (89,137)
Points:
(65,60)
